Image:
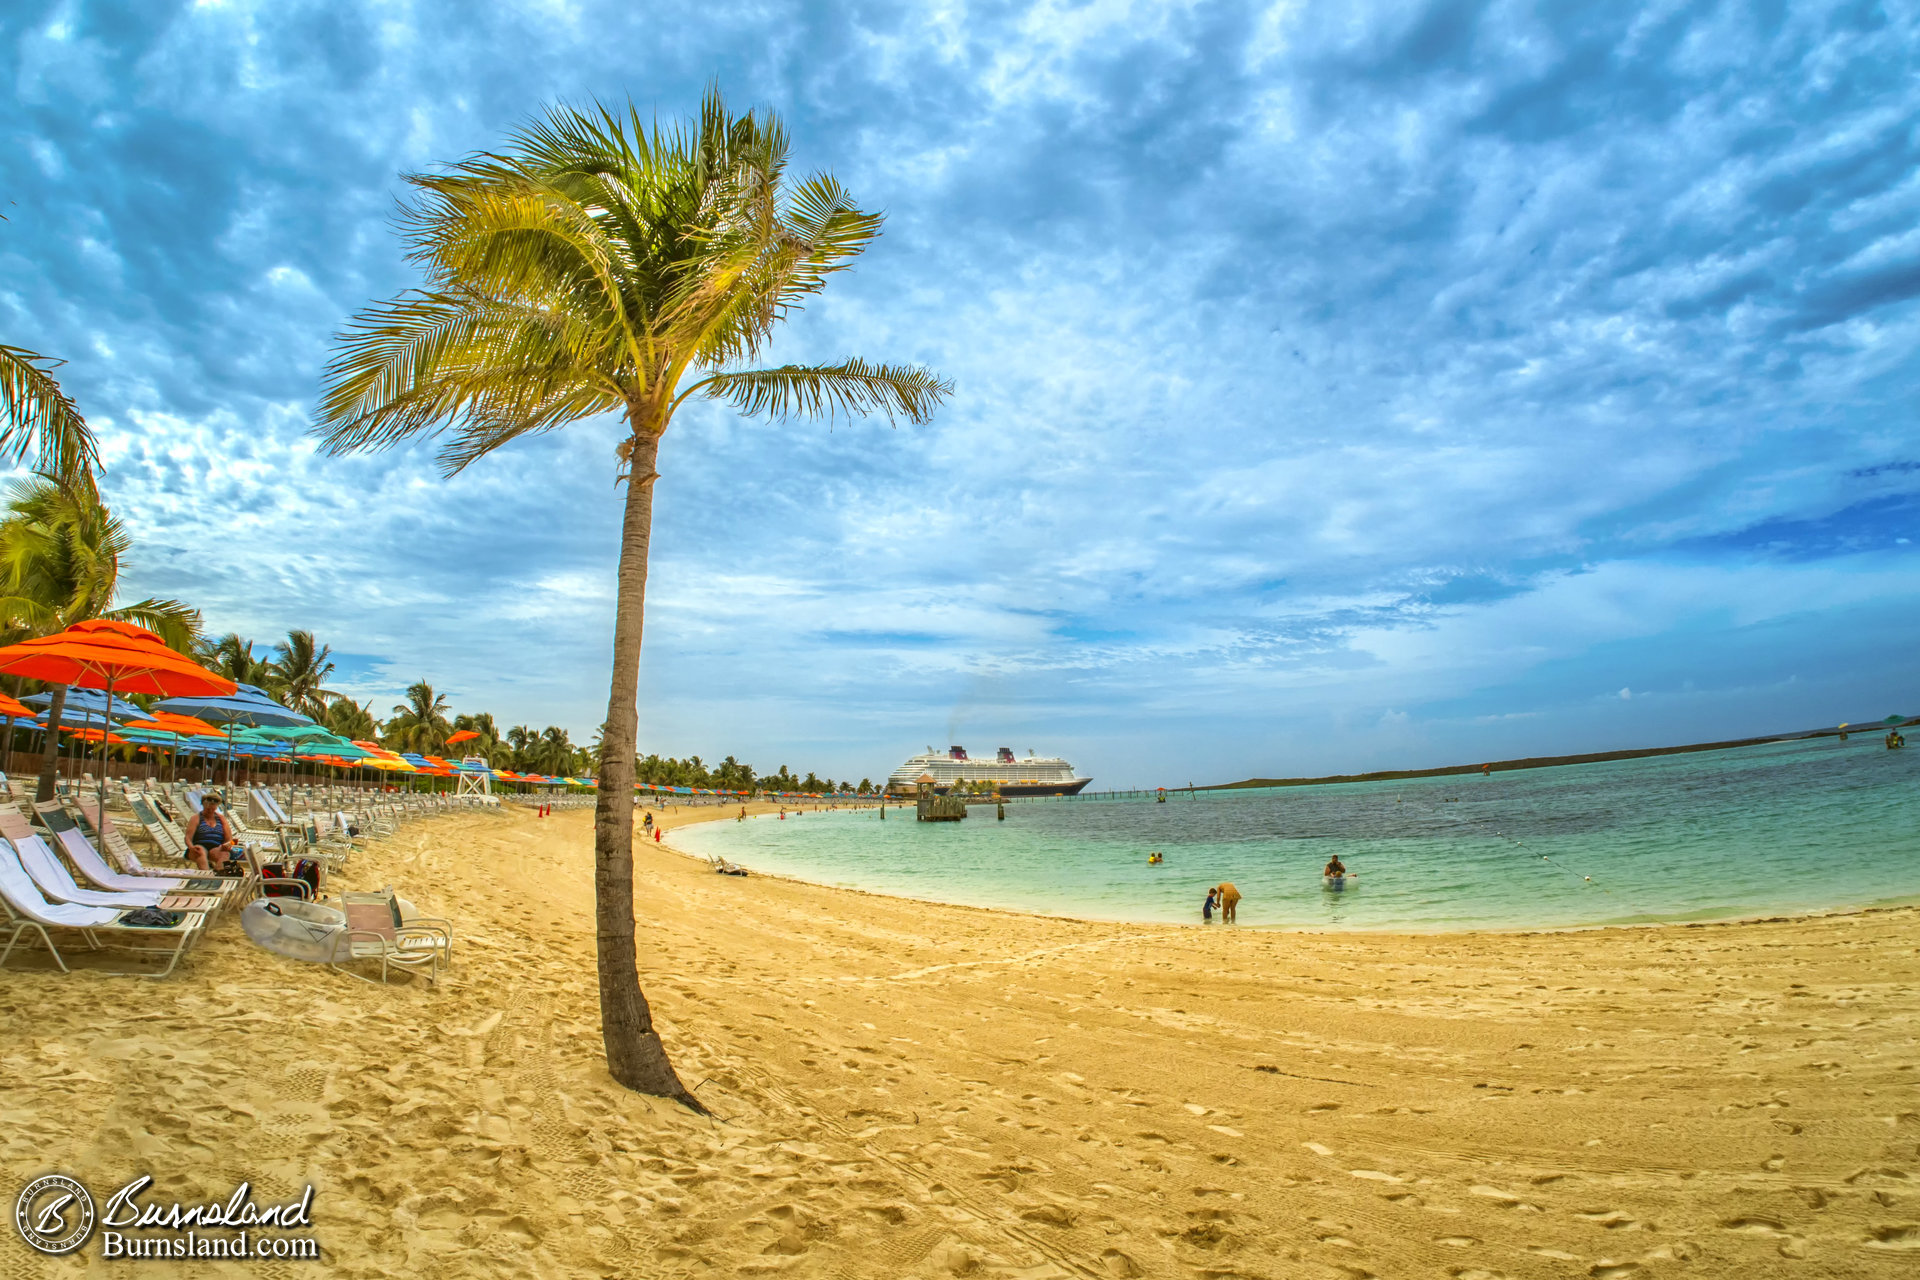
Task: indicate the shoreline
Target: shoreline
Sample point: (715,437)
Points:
(905,1090)
(1540,762)
(1907,903)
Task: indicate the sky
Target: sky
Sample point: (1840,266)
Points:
(1337,386)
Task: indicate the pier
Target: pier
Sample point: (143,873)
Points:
(1145,793)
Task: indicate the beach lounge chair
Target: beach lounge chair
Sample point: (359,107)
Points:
(79,851)
(378,927)
(263,810)
(28,910)
(58,884)
(166,836)
(120,853)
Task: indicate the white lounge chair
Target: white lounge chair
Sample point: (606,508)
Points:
(58,884)
(28,910)
(79,851)
(161,830)
(107,838)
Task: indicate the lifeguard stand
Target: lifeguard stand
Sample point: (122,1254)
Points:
(474,778)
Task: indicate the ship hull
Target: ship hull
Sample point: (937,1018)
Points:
(1073,788)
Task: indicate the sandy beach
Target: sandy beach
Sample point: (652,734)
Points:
(906,1089)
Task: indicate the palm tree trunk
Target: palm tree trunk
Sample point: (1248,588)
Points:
(50,762)
(635,1055)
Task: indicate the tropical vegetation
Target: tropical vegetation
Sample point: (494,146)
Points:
(598,267)
(60,553)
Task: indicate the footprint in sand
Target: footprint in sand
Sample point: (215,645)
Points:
(1904,1235)
(1506,1200)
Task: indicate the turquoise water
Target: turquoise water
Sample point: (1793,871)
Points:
(1788,827)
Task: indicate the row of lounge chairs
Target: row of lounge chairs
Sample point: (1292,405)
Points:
(67,868)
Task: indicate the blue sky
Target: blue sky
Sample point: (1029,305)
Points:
(1338,386)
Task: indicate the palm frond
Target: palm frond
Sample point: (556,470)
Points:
(587,268)
(854,387)
(175,623)
(427,362)
(36,414)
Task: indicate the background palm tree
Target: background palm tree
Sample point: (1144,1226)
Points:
(420,723)
(554,753)
(60,551)
(520,741)
(599,267)
(480,722)
(352,720)
(299,668)
(232,656)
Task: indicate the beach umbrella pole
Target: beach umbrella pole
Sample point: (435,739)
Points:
(100,814)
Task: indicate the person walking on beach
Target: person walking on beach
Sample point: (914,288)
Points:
(648,824)
(1229,902)
(1206,908)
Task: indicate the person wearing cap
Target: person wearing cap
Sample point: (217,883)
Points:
(209,835)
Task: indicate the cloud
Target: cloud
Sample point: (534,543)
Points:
(1334,383)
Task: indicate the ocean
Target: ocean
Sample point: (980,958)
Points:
(1776,829)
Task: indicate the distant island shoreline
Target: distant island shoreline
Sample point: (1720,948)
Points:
(1548,762)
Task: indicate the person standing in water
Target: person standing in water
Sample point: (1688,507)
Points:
(1206,908)
(1229,902)
(1335,867)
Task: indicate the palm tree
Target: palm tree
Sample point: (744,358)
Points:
(352,720)
(599,267)
(480,722)
(551,752)
(520,741)
(299,667)
(60,553)
(420,723)
(232,656)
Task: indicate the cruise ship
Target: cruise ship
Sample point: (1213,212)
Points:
(1030,775)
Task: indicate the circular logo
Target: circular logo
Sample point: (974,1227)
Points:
(54,1214)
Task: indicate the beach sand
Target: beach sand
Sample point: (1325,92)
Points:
(905,1089)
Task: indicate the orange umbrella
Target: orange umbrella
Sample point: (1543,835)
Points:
(12,710)
(113,656)
(172,722)
(95,735)
(99,654)
(462,736)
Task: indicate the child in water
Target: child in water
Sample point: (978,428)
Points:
(1206,908)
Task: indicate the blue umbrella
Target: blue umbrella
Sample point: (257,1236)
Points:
(247,706)
(85,709)
(91,702)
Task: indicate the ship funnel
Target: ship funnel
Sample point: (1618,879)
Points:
(1006,755)
(957,753)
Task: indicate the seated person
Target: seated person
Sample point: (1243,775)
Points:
(210,837)
(1335,867)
